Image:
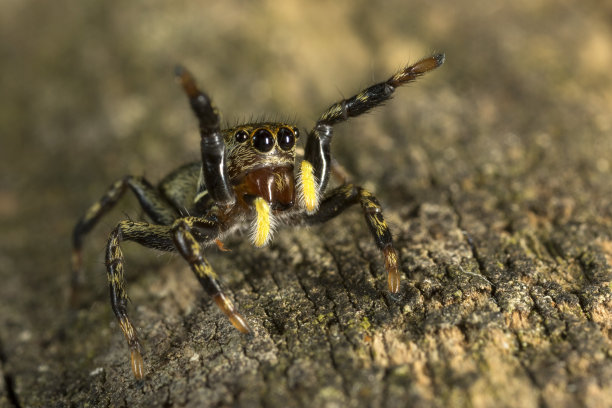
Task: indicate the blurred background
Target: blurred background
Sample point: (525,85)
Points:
(521,105)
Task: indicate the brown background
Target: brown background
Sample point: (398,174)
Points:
(494,172)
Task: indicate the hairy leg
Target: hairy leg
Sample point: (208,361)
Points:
(315,169)
(183,234)
(343,197)
(153,236)
(154,205)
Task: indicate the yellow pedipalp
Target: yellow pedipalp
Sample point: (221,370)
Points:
(308,187)
(262,226)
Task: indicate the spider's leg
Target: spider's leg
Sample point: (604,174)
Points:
(184,233)
(315,168)
(154,205)
(346,195)
(150,235)
(214,168)
(378,93)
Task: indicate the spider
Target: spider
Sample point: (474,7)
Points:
(245,178)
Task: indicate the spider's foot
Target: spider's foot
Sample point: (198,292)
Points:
(421,67)
(187,81)
(240,323)
(393,279)
(135,349)
(137,363)
(427,64)
(228,309)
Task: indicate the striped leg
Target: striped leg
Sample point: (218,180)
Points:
(154,205)
(346,195)
(183,232)
(153,236)
(183,235)
(316,165)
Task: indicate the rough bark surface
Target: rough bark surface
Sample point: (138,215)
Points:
(494,173)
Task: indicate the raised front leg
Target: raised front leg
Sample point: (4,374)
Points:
(214,169)
(343,197)
(314,170)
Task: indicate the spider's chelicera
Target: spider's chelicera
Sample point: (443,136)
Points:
(247,177)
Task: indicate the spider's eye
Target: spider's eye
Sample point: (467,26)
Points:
(241,136)
(263,140)
(296,132)
(285,138)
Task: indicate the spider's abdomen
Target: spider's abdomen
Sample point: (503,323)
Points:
(180,187)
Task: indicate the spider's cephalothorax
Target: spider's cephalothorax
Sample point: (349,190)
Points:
(260,163)
(248,176)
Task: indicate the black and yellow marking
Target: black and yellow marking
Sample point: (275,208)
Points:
(343,197)
(153,203)
(317,149)
(191,250)
(119,296)
(167,238)
(376,94)
(196,204)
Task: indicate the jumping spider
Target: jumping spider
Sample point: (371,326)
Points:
(246,176)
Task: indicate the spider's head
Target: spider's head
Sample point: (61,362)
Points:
(260,160)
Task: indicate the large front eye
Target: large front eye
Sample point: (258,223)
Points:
(286,138)
(263,140)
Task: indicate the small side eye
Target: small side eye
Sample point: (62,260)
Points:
(241,136)
(285,138)
(296,132)
(263,140)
